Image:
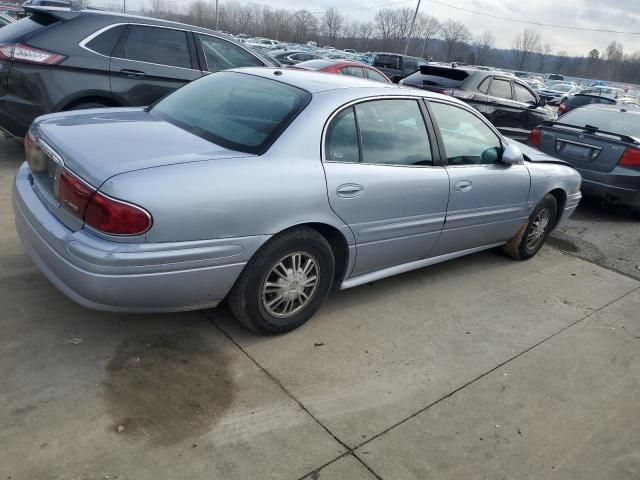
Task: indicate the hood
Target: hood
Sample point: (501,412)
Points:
(100,143)
(534,155)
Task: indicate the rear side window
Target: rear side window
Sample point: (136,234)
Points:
(222,55)
(352,71)
(484,86)
(391,132)
(501,88)
(106,41)
(388,61)
(237,111)
(373,75)
(16,31)
(162,46)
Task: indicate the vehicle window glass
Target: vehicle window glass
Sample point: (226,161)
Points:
(501,88)
(373,75)
(4,21)
(240,112)
(410,64)
(484,86)
(355,72)
(387,61)
(467,139)
(163,46)
(392,132)
(613,121)
(523,95)
(342,138)
(222,55)
(106,41)
(26,26)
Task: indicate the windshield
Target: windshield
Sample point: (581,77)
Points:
(235,110)
(613,121)
(561,88)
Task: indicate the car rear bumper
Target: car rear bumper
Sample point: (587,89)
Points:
(127,277)
(621,186)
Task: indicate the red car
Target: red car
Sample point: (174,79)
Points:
(343,67)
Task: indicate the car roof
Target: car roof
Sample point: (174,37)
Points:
(316,82)
(612,108)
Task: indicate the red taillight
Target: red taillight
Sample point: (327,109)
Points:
(630,158)
(115,217)
(562,107)
(534,137)
(73,193)
(24,53)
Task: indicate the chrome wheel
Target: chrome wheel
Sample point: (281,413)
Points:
(538,229)
(291,284)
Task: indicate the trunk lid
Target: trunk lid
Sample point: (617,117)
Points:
(582,148)
(98,144)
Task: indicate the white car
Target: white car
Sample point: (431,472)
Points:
(263,43)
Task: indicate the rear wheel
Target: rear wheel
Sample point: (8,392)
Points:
(285,283)
(529,239)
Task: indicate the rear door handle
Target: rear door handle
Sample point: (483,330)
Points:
(463,186)
(131,73)
(349,190)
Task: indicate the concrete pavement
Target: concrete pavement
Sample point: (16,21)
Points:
(479,368)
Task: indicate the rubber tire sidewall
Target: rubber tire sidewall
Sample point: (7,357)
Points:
(548,201)
(245,298)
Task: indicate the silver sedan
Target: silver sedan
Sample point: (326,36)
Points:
(268,187)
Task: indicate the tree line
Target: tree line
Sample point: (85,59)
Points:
(431,38)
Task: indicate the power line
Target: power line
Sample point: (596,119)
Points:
(367,8)
(529,22)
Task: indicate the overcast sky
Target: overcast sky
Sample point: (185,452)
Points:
(620,15)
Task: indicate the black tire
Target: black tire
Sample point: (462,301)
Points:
(519,247)
(87,105)
(246,298)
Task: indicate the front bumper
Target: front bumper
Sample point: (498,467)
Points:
(127,277)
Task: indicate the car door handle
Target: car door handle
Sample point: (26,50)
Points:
(463,186)
(349,190)
(131,73)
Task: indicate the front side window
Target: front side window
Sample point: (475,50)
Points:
(501,88)
(467,139)
(237,111)
(523,94)
(390,132)
(222,55)
(163,46)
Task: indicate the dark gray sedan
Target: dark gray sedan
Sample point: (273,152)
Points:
(603,143)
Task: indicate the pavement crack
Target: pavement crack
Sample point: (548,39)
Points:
(488,372)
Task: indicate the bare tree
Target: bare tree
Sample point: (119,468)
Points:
(543,54)
(332,22)
(483,45)
(525,44)
(455,35)
(427,28)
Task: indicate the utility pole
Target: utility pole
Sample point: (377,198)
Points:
(124,6)
(415,14)
(216,21)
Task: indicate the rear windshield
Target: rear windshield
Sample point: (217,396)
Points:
(17,31)
(580,100)
(437,77)
(387,61)
(237,111)
(613,121)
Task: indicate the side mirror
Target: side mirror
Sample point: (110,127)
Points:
(542,102)
(396,78)
(512,155)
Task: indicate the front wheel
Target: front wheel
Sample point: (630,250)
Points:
(285,283)
(529,239)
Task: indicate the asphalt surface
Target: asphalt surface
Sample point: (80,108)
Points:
(481,367)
